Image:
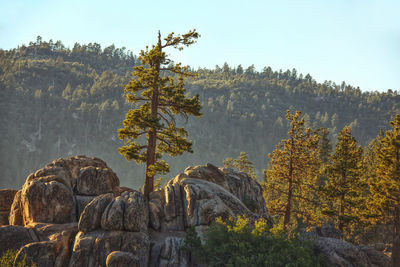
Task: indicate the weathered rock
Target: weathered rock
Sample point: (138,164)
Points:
(6,198)
(81,202)
(56,193)
(48,231)
(4,217)
(136,212)
(128,212)
(90,219)
(15,216)
(122,259)
(186,202)
(239,184)
(68,169)
(156,208)
(51,202)
(13,237)
(41,253)
(96,181)
(92,249)
(376,258)
(113,215)
(168,252)
(341,253)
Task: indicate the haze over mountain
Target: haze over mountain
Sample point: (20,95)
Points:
(58,102)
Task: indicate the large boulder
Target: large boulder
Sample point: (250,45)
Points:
(167,250)
(15,216)
(6,199)
(376,257)
(96,181)
(58,192)
(239,184)
(201,195)
(113,231)
(127,212)
(341,253)
(90,218)
(122,259)
(14,237)
(45,245)
(92,249)
(51,202)
(49,231)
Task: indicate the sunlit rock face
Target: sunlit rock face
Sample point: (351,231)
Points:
(113,223)
(202,194)
(58,192)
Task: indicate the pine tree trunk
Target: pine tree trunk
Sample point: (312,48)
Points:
(151,155)
(341,212)
(396,237)
(152,141)
(288,208)
(341,207)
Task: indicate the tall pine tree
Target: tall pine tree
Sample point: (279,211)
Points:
(242,163)
(385,187)
(291,178)
(342,188)
(150,128)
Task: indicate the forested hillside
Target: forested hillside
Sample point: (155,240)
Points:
(57,102)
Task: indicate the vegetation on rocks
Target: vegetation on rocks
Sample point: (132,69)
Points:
(8,258)
(237,242)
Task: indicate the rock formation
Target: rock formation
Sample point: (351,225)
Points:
(58,192)
(6,200)
(74,213)
(338,252)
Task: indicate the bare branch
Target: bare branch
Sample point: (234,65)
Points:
(163,118)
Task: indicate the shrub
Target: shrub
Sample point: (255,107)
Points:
(8,257)
(238,243)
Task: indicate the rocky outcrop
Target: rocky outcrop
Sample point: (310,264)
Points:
(247,190)
(58,192)
(113,223)
(127,212)
(338,252)
(15,217)
(92,249)
(73,213)
(6,199)
(167,250)
(14,237)
(202,194)
(122,259)
(41,253)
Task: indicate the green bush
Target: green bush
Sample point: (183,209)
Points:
(8,257)
(238,243)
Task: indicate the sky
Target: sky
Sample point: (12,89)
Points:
(356,41)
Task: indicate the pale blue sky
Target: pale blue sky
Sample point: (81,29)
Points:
(357,41)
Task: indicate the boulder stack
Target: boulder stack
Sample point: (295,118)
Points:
(74,213)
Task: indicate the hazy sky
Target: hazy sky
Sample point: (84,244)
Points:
(357,41)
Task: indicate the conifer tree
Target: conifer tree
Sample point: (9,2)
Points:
(342,188)
(325,147)
(157,90)
(291,178)
(385,187)
(242,163)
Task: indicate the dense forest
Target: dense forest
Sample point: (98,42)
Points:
(57,102)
